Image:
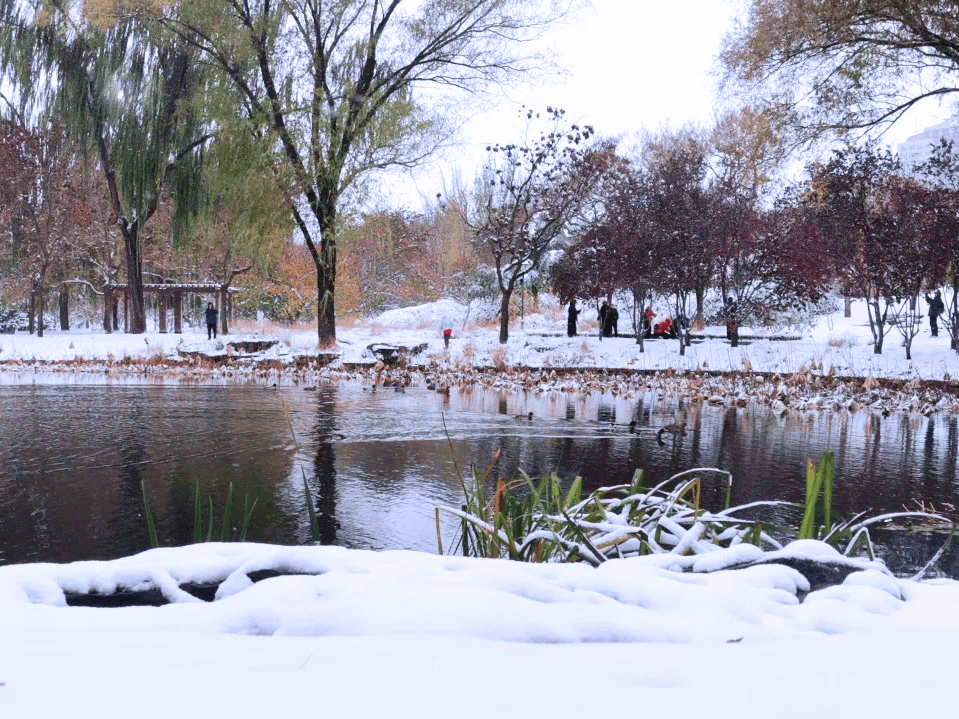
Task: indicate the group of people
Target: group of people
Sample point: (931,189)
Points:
(608,319)
(609,322)
(665,328)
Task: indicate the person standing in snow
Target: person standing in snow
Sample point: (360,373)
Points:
(605,320)
(211,317)
(571,318)
(446,327)
(648,316)
(732,325)
(614,321)
(936,308)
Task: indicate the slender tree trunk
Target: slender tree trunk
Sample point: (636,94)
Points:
(872,320)
(847,311)
(880,323)
(954,325)
(700,295)
(108,310)
(31,315)
(639,299)
(64,309)
(324,257)
(504,315)
(40,307)
(326,307)
(225,311)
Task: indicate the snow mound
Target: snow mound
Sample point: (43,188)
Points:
(430,313)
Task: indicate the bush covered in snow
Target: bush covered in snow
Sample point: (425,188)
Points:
(13,320)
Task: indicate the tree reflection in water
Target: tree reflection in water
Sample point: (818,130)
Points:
(323,486)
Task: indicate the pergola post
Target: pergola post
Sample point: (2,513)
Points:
(161,309)
(178,312)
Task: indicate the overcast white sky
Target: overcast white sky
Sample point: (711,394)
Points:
(631,64)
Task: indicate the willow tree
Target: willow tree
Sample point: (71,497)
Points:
(241,222)
(349,87)
(113,88)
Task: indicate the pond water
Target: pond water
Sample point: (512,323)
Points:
(72,458)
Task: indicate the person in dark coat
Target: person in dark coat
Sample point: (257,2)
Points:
(605,320)
(571,319)
(732,325)
(614,320)
(936,308)
(211,317)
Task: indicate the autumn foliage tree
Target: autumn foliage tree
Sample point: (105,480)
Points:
(941,172)
(923,228)
(837,65)
(679,215)
(620,252)
(892,236)
(778,261)
(49,213)
(530,193)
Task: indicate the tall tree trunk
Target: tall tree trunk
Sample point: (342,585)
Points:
(138,318)
(224,313)
(504,316)
(880,331)
(954,324)
(324,258)
(326,306)
(108,310)
(639,320)
(40,306)
(64,309)
(700,295)
(32,313)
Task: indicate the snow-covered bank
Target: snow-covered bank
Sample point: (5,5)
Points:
(830,367)
(836,345)
(405,634)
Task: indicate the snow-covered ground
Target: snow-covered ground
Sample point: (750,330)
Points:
(835,344)
(405,634)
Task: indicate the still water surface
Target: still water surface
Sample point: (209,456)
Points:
(72,458)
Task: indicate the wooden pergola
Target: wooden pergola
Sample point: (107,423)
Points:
(167,295)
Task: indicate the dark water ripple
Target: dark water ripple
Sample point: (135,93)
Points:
(72,458)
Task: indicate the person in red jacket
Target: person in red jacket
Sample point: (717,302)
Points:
(664,328)
(648,316)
